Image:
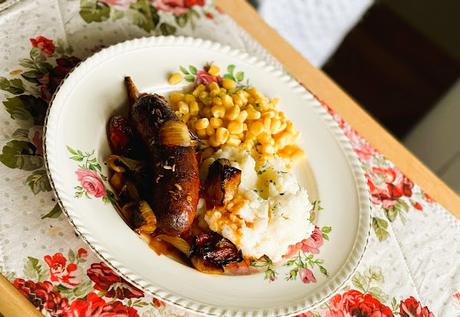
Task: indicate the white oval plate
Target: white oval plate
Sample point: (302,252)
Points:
(78,117)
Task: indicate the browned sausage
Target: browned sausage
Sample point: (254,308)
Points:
(172,157)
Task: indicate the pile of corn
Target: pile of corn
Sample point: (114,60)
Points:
(224,114)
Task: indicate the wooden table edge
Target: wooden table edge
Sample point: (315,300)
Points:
(319,84)
(13,303)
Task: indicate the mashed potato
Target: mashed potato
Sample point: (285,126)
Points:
(270,212)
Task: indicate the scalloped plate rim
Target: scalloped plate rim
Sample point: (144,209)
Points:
(354,164)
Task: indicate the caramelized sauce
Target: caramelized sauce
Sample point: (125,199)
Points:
(163,248)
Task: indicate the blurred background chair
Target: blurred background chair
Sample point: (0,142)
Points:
(399,59)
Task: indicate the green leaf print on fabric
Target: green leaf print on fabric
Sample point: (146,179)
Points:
(27,110)
(34,270)
(21,134)
(94,11)
(80,291)
(53,213)
(380,226)
(21,154)
(14,86)
(38,182)
(167,29)
(144,15)
(370,281)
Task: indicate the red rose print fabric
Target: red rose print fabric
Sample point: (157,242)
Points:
(60,271)
(110,283)
(410,307)
(177,7)
(45,45)
(353,303)
(95,306)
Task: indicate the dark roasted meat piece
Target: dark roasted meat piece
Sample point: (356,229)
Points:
(222,183)
(119,133)
(123,139)
(214,250)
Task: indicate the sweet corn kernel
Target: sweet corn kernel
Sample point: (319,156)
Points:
(188,98)
(267,124)
(202,123)
(244,93)
(222,135)
(242,116)
(253,114)
(194,107)
(261,106)
(203,95)
(298,154)
(216,101)
(210,130)
(264,138)
(235,127)
(207,101)
(253,91)
(213,141)
(232,113)
(218,111)
(282,116)
(283,139)
(182,107)
(256,128)
(288,150)
(227,101)
(201,133)
(214,93)
(269,114)
(228,83)
(275,126)
(237,100)
(216,122)
(214,70)
(290,127)
(233,141)
(185,117)
(198,90)
(240,136)
(248,144)
(175,97)
(267,149)
(175,78)
(282,127)
(275,101)
(213,86)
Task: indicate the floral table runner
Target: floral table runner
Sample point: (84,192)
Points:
(411,266)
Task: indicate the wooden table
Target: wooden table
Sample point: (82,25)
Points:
(317,82)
